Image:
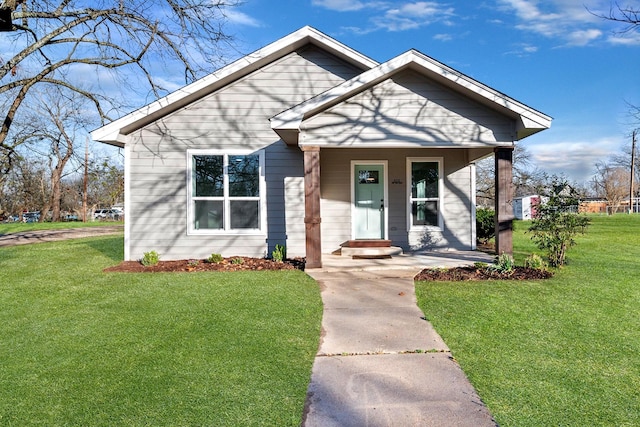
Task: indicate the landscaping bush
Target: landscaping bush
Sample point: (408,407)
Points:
(150,258)
(503,263)
(215,258)
(279,253)
(485,224)
(535,261)
(555,225)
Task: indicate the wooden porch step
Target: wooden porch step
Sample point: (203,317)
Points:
(368,243)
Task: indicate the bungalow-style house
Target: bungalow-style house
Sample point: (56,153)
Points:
(309,144)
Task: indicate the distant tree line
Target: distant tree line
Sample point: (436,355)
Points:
(27,187)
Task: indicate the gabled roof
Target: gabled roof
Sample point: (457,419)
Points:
(529,121)
(114,133)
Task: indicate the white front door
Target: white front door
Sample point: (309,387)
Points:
(369,200)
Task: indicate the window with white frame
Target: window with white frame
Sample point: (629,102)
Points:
(226,191)
(425,192)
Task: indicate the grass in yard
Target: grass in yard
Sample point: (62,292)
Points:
(565,351)
(82,347)
(17,227)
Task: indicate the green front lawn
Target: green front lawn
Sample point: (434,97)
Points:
(83,347)
(565,351)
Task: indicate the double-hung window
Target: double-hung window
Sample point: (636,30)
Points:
(226,192)
(425,177)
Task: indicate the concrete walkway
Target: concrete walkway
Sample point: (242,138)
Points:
(380,363)
(39,236)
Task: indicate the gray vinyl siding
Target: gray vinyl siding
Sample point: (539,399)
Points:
(455,209)
(294,216)
(233,118)
(408,109)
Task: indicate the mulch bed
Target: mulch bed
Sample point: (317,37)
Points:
(480,273)
(227,264)
(263,264)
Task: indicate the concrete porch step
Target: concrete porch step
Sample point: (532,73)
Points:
(371,252)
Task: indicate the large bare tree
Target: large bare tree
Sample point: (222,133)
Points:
(56,122)
(612,183)
(60,42)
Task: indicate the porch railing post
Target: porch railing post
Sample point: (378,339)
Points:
(312,206)
(504,199)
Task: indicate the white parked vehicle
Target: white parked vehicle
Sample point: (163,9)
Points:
(102,214)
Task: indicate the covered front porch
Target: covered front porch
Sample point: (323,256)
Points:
(414,127)
(331,202)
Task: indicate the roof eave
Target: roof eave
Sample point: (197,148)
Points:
(526,125)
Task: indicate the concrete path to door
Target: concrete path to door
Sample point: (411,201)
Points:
(380,362)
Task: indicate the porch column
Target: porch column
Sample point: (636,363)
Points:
(504,199)
(312,206)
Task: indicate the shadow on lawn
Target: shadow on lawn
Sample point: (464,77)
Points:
(111,246)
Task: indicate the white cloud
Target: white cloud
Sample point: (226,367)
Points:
(583,37)
(574,159)
(392,16)
(443,37)
(339,5)
(419,9)
(570,22)
(522,50)
(240,18)
(413,15)
(626,39)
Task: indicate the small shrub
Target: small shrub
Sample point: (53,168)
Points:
(237,261)
(480,265)
(485,224)
(503,263)
(555,225)
(193,263)
(150,258)
(215,258)
(535,261)
(279,253)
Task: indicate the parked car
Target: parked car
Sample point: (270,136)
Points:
(31,217)
(102,214)
(12,218)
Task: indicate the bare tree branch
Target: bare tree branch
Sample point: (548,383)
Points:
(626,15)
(128,38)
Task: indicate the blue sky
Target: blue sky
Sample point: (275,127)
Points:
(552,55)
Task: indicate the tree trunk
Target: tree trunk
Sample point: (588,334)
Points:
(56,191)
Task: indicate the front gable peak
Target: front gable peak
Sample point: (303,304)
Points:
(115,132)
(528,120)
